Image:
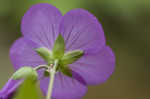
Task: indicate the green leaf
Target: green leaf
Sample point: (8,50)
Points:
(59,47)
(25,72)
(72,56)
(28,90)
(66,70)
(45,53)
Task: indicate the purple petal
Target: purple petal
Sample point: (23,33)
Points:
(22,54)
(41,24)
(66,87)
(81,30)
(95,68)
(8,90)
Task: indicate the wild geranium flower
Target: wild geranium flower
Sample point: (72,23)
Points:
(74,43)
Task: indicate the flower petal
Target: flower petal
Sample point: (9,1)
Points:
(41,24)
(81,30)
(8,90)
(95,68)
(66,87)
(22,54)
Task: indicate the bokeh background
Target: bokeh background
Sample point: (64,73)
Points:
(127,28)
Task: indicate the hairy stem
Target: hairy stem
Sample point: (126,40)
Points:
(51,82)
(41,66)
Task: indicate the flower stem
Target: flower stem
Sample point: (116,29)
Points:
(51,82)
(41,66)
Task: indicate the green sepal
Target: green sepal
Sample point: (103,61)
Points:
(25,72)
(66,70)
(72,56)
(59,47)
(46,74)
(45,53)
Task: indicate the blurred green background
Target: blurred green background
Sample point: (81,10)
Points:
(127,28)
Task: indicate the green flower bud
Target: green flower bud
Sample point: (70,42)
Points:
(25,72)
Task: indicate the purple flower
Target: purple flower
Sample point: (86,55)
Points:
(9,89)
(40,27)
